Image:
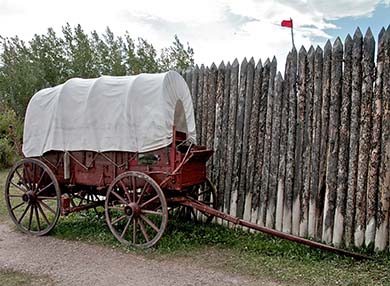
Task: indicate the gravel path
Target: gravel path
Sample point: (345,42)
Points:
(78,263)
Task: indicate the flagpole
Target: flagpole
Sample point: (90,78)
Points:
(292,34)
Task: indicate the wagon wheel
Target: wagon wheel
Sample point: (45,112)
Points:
(136,209)
(32,196)
(205,193)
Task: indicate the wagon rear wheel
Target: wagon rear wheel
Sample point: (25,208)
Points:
(205,193)
(32,196)
(136,209)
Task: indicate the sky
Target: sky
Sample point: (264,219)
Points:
(216,29)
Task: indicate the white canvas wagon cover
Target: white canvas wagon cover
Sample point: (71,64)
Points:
(127,113)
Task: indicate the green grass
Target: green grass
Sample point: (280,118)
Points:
(12,278)
(237,251)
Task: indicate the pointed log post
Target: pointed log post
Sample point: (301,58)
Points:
(212,88)
(267,145)
(354,136)
(242,197)
(239,138)
(205,105)
(274,165)
(315,155)
(224,136)
(233,96)
(382,90)
(256,199)
(217,146)
(298,180)
(342,180)
(290,163)
(199,105)
(194,90)
(333,145)
(281,177)
(326,77)
(253,142)
(364,140)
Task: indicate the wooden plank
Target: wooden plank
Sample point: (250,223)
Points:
(315,155)
(298,180)
(382,102)
(342,180)
(199,105)
(260,146)
(253,141)
(307,144)
(217,146)
(267,146)
(354,136)
(233,96)
(364,140)
(194,89)
(239,139)
(245,139)
(333,145)
(205,112)
(281,177)
(275,141)
(290,163)
(224,136)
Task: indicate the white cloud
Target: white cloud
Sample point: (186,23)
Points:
(217,30)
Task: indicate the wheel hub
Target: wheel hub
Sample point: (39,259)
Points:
(29,197)
(133,209)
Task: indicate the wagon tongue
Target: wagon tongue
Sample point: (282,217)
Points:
(207,209)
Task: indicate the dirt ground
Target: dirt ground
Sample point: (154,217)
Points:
(78,263)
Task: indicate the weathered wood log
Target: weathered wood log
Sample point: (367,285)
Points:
(383,91)
(281,177)
(342,180)
(212,84)
(199,105)
(315,155)
(194,90)
(231,133)
(354,136)
(299,141)
(275,144)
(333,145)
(260,146)
(290,163)
(326,74)
(307,144)
(364,140)
(245,139)
(224,137)
(267,145)
(239,138)
(217,146)
(205,105)
(253,141)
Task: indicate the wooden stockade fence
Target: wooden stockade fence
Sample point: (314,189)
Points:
(307,153)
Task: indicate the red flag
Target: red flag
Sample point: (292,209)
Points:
(287,23)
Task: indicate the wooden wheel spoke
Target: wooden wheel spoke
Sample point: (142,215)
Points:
(143,230)
(115,221)
(127,193)
(47,207)
(37,216)
(23,214)
(152,212)
(126,227)
(119,197)
(135,230)
(40,179)
(149,201)
(15,196)
(116,208)
(22,180)
(142,192)
(46,198)
(41,190)
(134,188)
(43,214)
(31,217)
(18,187)
(15,207)
(29,183)
(149,222)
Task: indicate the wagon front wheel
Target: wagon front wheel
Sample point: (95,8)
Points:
(136,209)
(32,196)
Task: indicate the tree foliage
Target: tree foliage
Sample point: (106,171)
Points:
(51,59)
